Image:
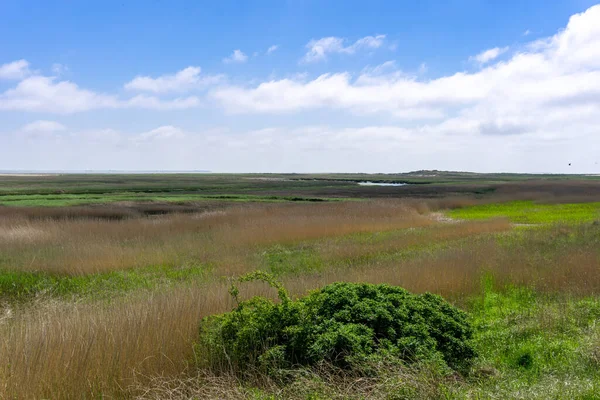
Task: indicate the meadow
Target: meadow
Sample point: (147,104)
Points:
(104,279)
(530,212)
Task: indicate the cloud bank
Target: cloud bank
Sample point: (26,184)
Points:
(534,107)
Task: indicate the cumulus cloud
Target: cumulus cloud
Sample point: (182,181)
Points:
(535,110)
(489,55)
(47,94)
(272,49)
(40,93)
(551,85)
(15,70)
(187,79)
(372,148)
(319,49)
(43,126)
(237,56)
(400,96)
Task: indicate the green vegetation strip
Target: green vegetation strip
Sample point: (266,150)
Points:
(529,212)
(24,286)
(534,346)
(56,200)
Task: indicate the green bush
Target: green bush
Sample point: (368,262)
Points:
(342,324)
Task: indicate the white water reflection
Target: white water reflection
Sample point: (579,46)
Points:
(369,183)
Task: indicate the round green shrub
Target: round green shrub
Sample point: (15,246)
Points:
(343,324)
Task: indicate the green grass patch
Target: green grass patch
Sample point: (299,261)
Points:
(23,286)
(280,259)
(311,256)
(529,212)
(535,346)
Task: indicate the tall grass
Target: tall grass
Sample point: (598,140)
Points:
(64,350)
(87,349)
(559,259)
(84,246)
(61,350)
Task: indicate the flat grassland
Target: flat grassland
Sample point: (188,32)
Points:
(530,212)
(104,278)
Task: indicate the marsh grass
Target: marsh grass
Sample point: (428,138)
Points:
(21,286)
(64,200)
(532,346)
(530,212)
(120,300)
(87,246)
(70,350)
(65,349)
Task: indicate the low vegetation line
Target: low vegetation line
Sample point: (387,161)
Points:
(371,298)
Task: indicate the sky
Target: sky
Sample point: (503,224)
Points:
(300,85)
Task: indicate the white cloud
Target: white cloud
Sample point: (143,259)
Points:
(366,94)
(318,49)
(40,93)
(551,86)
(534,110)
(489,55)
(272,49)
(43,126)
(59,69)
(388,66)
(155,103)
(187,79)
(237,56)
(47,94)
(527,33)
(368,42)
(15,70)
(372,148)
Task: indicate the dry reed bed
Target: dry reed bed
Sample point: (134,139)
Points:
(334,250)
(85,246)
(330,383)
(65,350)
(59,350)
(457,273)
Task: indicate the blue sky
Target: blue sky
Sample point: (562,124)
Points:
(305,86)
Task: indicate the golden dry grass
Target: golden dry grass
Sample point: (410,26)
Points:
(56,349)
(84,246)
(61,350)
(68,350)
(328,382)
